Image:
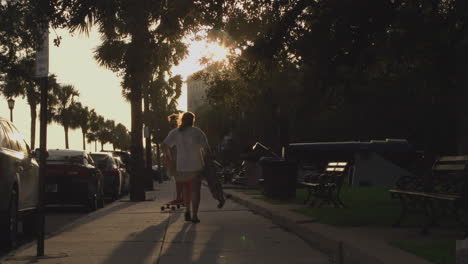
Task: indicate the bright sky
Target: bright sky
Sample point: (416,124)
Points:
(99,88)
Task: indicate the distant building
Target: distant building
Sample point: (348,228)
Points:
(196,93)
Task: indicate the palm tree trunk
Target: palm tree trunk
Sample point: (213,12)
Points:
(137,70)
(33,110)
(84,143)
(66,136)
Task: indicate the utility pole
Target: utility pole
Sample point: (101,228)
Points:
(42,73)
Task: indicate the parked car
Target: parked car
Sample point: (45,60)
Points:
(124,156)
(19,181)
(126,175)
(72,177)
(113,178)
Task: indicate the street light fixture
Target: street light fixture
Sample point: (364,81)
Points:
(11,105)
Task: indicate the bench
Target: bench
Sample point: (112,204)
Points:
(443,192)
(325,187)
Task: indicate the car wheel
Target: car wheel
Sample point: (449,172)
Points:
(100,201)
(9,222)
(117,188)
(93,203)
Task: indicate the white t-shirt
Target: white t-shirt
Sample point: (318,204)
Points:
(189,144)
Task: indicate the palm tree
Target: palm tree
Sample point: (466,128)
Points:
(19,81)
(139,30)
(93,128)
(66,113)
(84,116)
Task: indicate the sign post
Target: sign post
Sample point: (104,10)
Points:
(42,73)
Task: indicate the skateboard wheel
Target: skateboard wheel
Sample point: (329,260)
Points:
(162,208)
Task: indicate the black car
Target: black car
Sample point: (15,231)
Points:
(114,178)
(73,178)
(19,181)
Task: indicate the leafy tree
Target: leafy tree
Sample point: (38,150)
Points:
(345,70)
(120,137)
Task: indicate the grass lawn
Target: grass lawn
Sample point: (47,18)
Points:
(365,206)
(373,206)
(438,252)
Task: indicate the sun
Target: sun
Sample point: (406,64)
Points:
(216,52)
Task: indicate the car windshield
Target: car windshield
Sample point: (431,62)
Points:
(66,158)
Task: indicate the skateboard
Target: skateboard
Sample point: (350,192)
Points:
(172,206)
(213,181)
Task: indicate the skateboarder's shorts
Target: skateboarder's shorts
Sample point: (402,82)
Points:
(185,176)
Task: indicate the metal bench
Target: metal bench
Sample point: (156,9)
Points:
(443,192)
(326,187)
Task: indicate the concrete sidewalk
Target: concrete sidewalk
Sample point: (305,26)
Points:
(129,232)
(344,245)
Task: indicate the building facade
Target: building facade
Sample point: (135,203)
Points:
(196,93)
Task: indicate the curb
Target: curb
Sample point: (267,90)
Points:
(338,250)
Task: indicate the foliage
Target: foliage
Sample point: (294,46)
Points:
(335,70)
(120,137)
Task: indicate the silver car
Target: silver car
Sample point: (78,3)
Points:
(19,181)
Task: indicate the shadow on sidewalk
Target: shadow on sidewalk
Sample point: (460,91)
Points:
(192,251)
(140,247)
(93,216)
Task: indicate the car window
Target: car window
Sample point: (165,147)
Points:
(4,140)
(23,147)
(89,159)
(11,136)
(111,163)
(61,158)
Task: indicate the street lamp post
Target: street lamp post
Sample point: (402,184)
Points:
(11,105)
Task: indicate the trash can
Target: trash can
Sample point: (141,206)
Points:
(279,178)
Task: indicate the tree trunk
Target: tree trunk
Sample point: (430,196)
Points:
(102,146)
(95,145)
(149,158)
(137,71)
(84,141)
(33,125)
(66,136)
(136,148)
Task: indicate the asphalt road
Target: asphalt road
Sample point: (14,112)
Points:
(56,217)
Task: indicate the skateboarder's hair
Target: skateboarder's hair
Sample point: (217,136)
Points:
(186,120)
(173,117)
